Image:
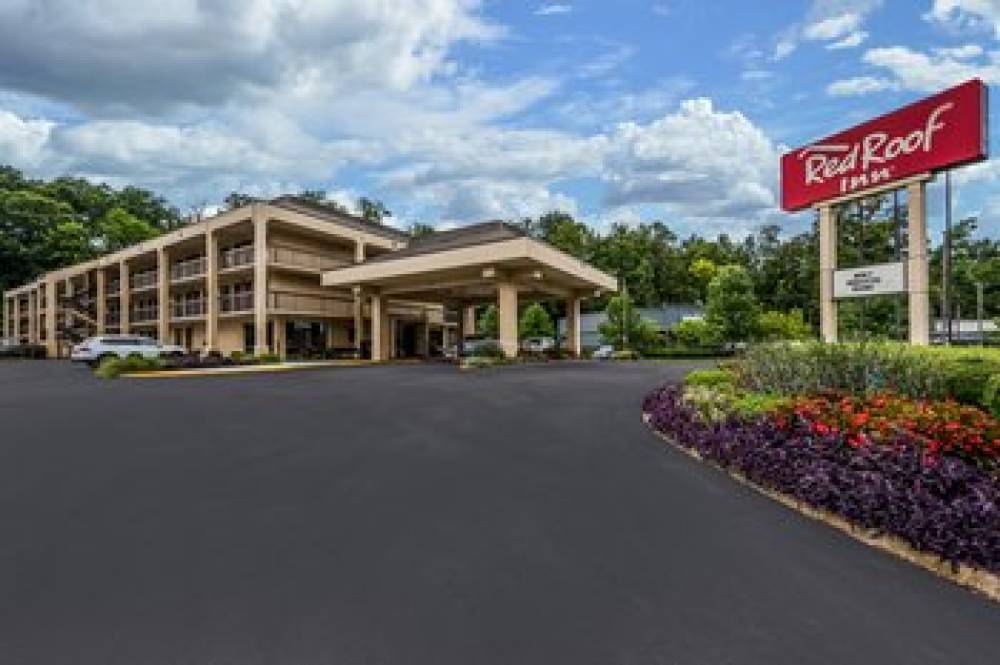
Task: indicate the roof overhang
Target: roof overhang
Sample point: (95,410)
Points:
(473,271)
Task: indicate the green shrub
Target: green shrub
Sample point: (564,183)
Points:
(920,372)
(773,326)
(991,395)
(710,378)
(625,354)
(696,332)
(112,368)
(487,350)
(751,405)
(238,356)
(268,358)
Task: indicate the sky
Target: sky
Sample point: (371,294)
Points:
(458,111)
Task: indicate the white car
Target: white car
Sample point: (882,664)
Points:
(538,344)
(604,352)
(93,350)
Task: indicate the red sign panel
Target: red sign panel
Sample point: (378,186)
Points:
(935,133)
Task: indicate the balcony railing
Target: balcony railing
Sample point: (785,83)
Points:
(235,257)
(113,289)
(236,302)
(143,280)
(143,314)
(113,318)
(190,268)
(188,308)
(307,260)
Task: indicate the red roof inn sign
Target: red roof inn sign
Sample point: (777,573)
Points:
(904,148)
(942,131)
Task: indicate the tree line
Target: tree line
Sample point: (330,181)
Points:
(45,225)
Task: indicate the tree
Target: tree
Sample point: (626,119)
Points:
(625,328)
(489,322)
(774,326)
(696,333)
(732,305)
(319,197)
(373,210)
(119,229)
(235,200)
(535,322)
(703,271)
(420,230)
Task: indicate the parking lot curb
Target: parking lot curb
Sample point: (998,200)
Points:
(246,369)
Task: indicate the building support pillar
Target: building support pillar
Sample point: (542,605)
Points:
(260,279)
(827,266)
(380,328)
(6,317)
(507,315)
(33,316)
(124,297)
(460,330)
(52,310)
(211,291)
(359,320)
(573,325)
(469,314)
(163,295)
(102,301)
(918,277)
(17,317)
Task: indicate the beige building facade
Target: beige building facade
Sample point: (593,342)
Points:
(294,278)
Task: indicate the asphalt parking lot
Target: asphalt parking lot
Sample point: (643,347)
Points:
(417,514)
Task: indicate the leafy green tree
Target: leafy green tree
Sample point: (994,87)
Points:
(535,322)
(696,333)
(625,328)
(236,200)
(373,210)
(319,196)
(732,305)
(420,230)
(119,229)
(774,326)
(489,322)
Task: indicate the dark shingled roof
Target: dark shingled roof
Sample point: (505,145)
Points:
(314,209)
(466,236)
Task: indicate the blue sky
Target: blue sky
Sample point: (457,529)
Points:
(455,111)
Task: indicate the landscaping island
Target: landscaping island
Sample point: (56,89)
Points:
(898,445)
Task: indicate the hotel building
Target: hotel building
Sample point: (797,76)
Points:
(292,277)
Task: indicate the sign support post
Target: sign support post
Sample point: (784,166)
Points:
(918,271)
(827,266)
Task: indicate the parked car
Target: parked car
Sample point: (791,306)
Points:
(537,344)
(93,350)
(604,352)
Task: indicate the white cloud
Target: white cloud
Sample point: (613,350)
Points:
(921,72)
(961,52)
(553,9)
(852,40)
(963,15)
(838,23)
(23,141)
(700,162)
(832,27)
(861,85)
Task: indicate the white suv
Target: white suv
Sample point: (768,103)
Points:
(95,349)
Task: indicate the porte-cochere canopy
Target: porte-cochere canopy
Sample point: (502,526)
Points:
(494,261)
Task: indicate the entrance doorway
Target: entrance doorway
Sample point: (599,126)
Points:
(305,339)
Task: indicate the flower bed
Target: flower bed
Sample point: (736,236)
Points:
(936,501)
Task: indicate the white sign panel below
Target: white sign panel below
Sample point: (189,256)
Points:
(870,280)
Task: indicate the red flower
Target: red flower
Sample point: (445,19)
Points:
(821,429)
